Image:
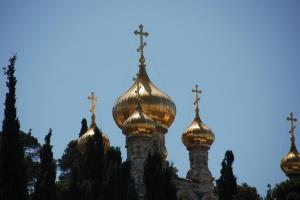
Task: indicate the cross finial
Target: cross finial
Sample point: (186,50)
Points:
(196,102)
(92,110)
(138,87)
(292,120)
(142,43)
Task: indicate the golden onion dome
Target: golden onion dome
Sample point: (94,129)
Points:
(197,134)
(156,104)
(91,132)
(82,141)
(138,123)
(290,164)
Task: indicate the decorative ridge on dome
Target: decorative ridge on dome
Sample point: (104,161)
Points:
(138,122)
(92,110)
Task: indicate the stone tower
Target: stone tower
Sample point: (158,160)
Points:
(198,138)
(144,113)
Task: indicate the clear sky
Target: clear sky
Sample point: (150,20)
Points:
(244,55)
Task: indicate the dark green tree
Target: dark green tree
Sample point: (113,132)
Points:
(71,156)
(68,186)
(287,190)
(31,148)
(246,192)
(118,184)
(158,178)
(84,127)
(45,188)
(226,184)
(13,173)
(269,195)
(92,166)
(69,160)
(31,157)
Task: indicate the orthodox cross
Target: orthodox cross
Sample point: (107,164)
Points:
(292,120)
(196,102)
(138,87)
(142,43)
(93,100)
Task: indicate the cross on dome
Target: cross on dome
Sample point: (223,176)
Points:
(92,110)
(292,120)
(197,91)
(142,43)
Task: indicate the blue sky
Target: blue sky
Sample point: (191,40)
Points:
(244,55)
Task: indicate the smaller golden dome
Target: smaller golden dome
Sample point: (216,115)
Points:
(138,123)
(197,134)
(290,164)
(82,141)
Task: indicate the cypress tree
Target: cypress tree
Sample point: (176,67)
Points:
(13,173)
(269,193)
(71,157)
(74,187)
(45,188)
(287,190)
(226,184)
(158,178)
(93,166)
(117,184)
(69,160)
(84,127)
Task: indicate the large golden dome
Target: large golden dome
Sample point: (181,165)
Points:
(197,134)
(156,104)
(138,123)
(82,141)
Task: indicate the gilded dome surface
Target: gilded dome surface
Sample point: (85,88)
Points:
(197,134)
(155,104)
(138,123)
(290,164)
(90,133)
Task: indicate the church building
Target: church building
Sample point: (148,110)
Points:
(144,113)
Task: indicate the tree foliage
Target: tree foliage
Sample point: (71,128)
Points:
(158,178)
(118,184)
(287,190)
(32,148)
(93,174)
(45,188)
(246,192)
(226,184)
(13,173)
(69,160)
(84,127)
